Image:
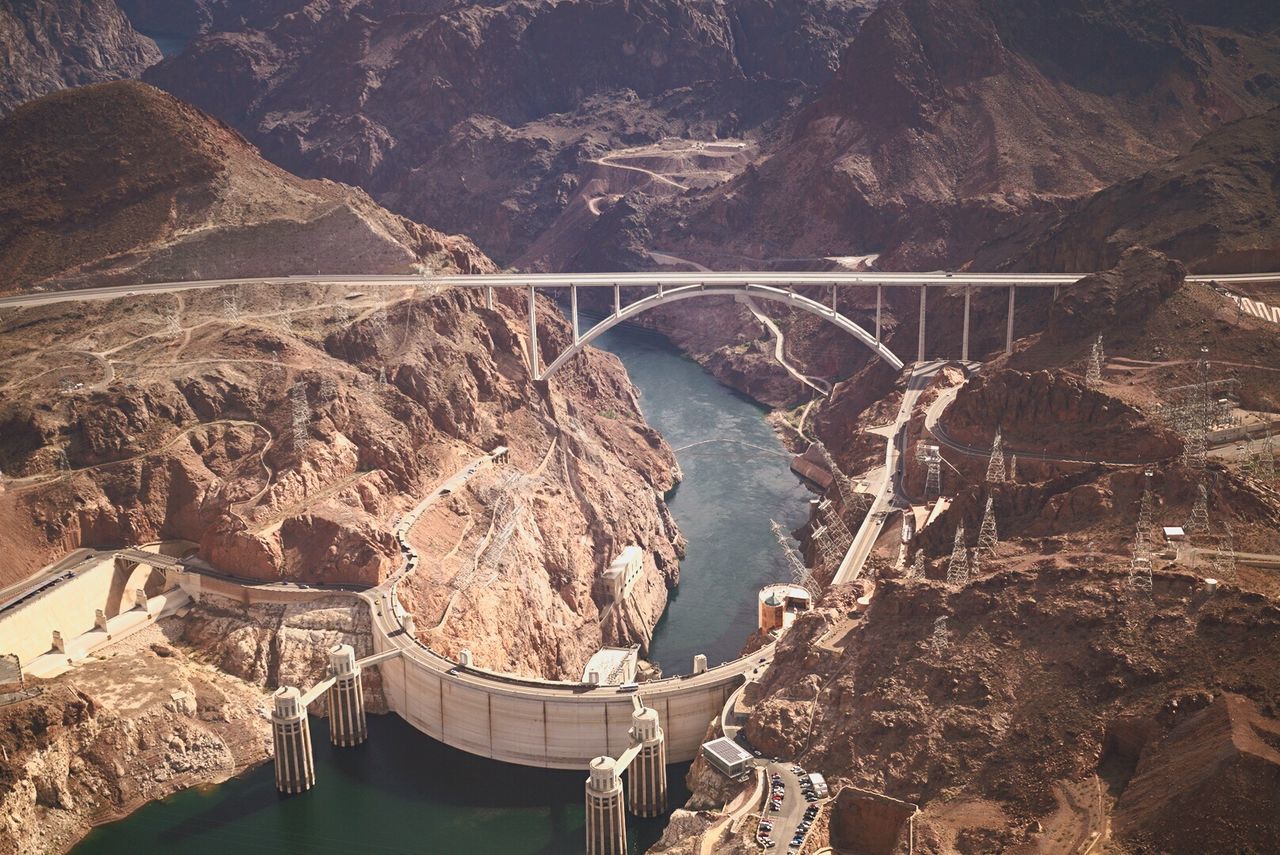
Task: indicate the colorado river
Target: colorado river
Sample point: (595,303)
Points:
(402,792)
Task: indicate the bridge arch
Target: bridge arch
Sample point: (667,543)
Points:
(764,292)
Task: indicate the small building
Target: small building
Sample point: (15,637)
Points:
(779,604)
(819,785)
(1174,534)
(622,574)
(727,756)
(612,666)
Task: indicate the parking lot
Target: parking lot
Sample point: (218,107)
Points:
(790,807)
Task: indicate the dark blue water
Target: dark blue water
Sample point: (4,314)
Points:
(402,792)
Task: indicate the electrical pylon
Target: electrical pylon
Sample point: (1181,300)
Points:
(931,457)
(1140,559)
(1013,467)
(995,468)
(988,537)
(917,566)
(800,574)
(1198,523)
(940,640)
(301,415)
(850,498)
(958,566)
(1224,561)
(1093,374)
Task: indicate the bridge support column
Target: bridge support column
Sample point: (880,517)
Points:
(533,334)
(1008,328)
(879,305)
(964,339)
(606,822)
(647,777)
(573,311)
(488,297)
(347,723)
(924,294)
(291,732)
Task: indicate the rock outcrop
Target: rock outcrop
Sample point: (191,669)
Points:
(950,123)
(171,193)
(51,44)
(485,119)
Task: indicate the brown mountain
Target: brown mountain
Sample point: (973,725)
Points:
(1216,208)
(51,44)
(949,122)
(172,193)
(483,118)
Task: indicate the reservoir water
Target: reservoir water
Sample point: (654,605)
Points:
(402,792)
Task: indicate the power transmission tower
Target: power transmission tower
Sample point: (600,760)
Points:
(1140,559)
(231,307)
(1262,459)
(988,538)
(917,566)
(940,640)
(301,415)
(342,313)
(995,469)
(172,322)
(831,537)
(1013,467)
(850,498)
(286,323)
(931,457)
(800,574)
(1093,374)
(1198,523)
(382,374)
(1224,561)
(958,566)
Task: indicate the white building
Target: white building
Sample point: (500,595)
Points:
(727,756)
(622,574)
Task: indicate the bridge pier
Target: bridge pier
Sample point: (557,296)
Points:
(879,306)
(606,823)
(1008,328)
(347,723)
(924,294)
(647,783)
(533,334)
(291,733)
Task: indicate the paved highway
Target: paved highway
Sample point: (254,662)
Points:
(626,280)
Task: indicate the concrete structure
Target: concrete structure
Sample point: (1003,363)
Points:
(872,823)
(291,734)
(778,605)
(622,574)
(347,724)
(647,783)
(727,756)
(606,823)
(612,666)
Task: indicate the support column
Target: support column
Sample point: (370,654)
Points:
(295,767)
(606,822)
(964,341)
(833,298)
(924,295)
(59,645)
(647,777)
(347,723)
(879,303)
(488,296)
(617,299)
(533,334)
(573,310)
(1008,329)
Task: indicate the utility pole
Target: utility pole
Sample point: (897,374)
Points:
(800,574)
(940,640)
(1140,560)
(931,457)
(1093,373)
(850,498)
(1198,523)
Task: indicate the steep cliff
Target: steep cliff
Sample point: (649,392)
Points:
(948,123)
(51,44)
(170,193)
(485,118)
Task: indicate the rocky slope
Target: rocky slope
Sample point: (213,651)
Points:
(1213,208)
(171,194)
(122,732)
(1047,678)
(486,118)
(948,123)
(51,44)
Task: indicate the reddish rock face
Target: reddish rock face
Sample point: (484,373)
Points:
(52,44)
(483,119)
(175,194)
(949,123)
